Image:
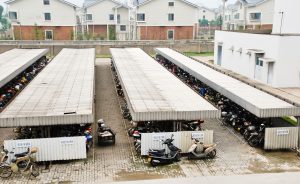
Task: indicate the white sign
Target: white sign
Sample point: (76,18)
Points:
(158,137)
(283,132)
(23,144)
(67,142)
(198,135)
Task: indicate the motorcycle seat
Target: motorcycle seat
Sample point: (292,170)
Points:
(21,154)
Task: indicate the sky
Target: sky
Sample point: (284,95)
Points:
(207,3)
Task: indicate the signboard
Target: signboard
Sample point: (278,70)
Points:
(67,142)
(23,144)
(198,135)
(158,137)
(282,132)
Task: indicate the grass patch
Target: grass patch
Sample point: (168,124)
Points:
(103,56)
(199,53)
(290,120)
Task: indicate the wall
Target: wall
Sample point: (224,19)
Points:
(102,47)
(61,13)
(283,49)
(156,13)
(291,23)
(98,31)
(38,32)
(160,32)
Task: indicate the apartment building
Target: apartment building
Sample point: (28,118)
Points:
(106,19)
(206,13)
(44,20)
(166,20)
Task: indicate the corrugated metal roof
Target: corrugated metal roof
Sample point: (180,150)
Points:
(62,93)
(15,61)
(153,93)
(255,101)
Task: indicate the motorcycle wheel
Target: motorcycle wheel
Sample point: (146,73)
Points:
(177,158)
(212,154)
(154,164)
(247,136)
(253,142)
(23,165)
(34,170)
(5,171)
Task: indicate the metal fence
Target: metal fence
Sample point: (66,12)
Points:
(51,149)
(182,140)
(281,138)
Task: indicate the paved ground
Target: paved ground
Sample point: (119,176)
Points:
(278,178)
(120,163)
(206,59)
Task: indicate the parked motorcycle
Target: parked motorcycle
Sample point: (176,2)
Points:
(12,163)
(256,138)
(157,157)
(200,151)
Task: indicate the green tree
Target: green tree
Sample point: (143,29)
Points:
(112,33)
(203,22)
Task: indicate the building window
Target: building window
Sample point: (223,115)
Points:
(237,16)
(170,34)
(111,17)
(226,17)
(171,4)
(47,16)
(123,28)
(118,18)
(141,17)
(46,2)
(13,15)
(203,16)
(171,16)
(89,17)
(204,11)
(261,63)
(255,16)
(48,35)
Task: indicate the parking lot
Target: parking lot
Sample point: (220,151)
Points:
(120,162)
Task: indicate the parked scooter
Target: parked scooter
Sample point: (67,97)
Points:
(12,163)
(157,157)
(200,151)
(257,137)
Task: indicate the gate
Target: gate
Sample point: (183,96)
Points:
(182,140)
(281,138)
(51,149)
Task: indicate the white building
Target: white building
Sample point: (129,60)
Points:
(206,13)
(249,14)
(43,19)
(162,20)
(103,18)
(269,58)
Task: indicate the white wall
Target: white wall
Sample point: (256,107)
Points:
(209,14)
(31,12)
(291,23)
(267,12)
(101,11)
(283,49)
(156,12)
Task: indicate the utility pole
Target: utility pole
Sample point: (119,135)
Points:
(281,21)
(223,19)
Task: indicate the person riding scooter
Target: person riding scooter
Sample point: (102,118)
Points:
(200,151)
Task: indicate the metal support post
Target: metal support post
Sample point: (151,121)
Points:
(298,120)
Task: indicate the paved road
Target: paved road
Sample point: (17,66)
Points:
(278,178)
